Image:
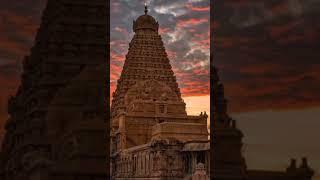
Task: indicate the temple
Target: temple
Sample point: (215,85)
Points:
(57,121)
(57,116)
(228,161)
(152,136)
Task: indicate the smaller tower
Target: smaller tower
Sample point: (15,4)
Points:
(227,138)
(305,172)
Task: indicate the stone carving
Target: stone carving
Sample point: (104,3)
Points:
(200,173)
(150,90)
(69,147)
(35,159)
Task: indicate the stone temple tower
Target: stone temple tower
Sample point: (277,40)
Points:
(152,136)
(69,46)
(228,162)
(146,60)
(146,76)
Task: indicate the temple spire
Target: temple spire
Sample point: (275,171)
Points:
(145,8)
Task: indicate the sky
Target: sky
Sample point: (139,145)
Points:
(267,53)
(19,21)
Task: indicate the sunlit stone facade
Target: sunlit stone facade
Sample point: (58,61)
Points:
(152,136)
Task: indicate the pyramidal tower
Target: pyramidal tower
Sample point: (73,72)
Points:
(150,125)
(71,39)
(146,60)
(227,159)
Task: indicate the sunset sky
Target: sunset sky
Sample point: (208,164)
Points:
(267,53)
(19,21)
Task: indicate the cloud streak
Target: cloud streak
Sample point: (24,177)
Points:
(267,53)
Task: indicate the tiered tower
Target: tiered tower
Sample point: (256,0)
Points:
(71,38)
(146,76)
(228,162)
(146,60)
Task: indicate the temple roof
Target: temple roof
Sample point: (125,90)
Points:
(145,22)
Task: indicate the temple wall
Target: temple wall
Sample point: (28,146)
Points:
(155,161)
(182,131)
(135,162)
(138,130)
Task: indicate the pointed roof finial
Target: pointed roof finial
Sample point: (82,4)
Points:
(145,8)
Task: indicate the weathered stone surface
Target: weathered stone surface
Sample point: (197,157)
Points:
(200,173)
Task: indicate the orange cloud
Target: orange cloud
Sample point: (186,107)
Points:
(191,7)
(191,22)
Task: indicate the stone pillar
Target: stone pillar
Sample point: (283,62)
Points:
(194,161)
(151,163)
(208,162)
(122,130)
(189,163)
(126,166)
(130,166)
(120,167)
(138,164)
(141,162)
(148,163)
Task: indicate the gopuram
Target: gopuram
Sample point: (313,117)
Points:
(152,136)
(56,129)
(228,161)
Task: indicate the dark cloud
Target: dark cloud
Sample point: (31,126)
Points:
(180,47)
(267,52)
(19,21)
(196,55)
